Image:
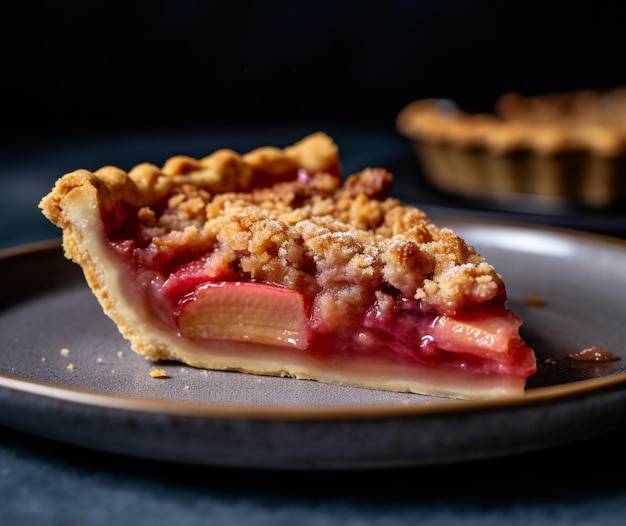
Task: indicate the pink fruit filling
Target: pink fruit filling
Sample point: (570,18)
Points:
(187,291)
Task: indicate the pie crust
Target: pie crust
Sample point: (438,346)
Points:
(554,149)
(299,272)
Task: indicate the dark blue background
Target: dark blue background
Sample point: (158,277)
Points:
(103,64)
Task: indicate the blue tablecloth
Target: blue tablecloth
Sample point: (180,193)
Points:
(44,484)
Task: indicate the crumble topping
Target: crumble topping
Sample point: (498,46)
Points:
(286,217)
(338,241)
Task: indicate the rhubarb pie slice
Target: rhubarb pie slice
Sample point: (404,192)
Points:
(272,263)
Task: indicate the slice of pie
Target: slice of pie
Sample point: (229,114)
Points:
(271,263)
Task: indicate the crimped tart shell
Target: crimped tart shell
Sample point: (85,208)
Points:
(567,148)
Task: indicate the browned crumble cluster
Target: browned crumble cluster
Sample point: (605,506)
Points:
(577,108)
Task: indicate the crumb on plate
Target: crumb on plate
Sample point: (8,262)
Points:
(535,300)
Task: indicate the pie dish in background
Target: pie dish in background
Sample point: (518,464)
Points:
(554,149)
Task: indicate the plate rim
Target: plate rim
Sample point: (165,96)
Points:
(535,396)
(208,410)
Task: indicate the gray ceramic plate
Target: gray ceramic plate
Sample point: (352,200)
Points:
(98,394)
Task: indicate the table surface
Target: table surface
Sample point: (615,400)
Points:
(43,482)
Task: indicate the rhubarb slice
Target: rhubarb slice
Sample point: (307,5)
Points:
(245,312)
(490,335)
